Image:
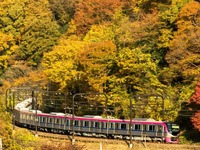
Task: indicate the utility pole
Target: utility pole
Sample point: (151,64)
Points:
(130,126)
(1,144)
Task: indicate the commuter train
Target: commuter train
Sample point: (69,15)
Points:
(95,126)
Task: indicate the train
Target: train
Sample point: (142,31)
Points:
(94,126)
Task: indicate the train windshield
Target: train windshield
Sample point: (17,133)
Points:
(173,128)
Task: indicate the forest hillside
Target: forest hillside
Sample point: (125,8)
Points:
(144,50)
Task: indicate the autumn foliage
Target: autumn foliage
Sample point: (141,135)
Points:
(119,47)
(194,102)
(90,12)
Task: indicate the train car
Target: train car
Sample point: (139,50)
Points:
(95,126)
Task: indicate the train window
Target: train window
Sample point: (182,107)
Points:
(116,126)
(105,125)
(92,124)
(50,120)
(86,124)
(57,121)
(123,126)
(96,125)
(151,127)
(137,126)
(111,125)
(71,123)
(68,122)
(27,117)
(81,123)
(76,123)
(101,124)
(144,127)
(43,119)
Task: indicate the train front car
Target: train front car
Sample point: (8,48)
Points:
(173,132)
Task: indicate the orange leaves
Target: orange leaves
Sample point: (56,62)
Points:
(189,15)
(196,96)
(194,103)
(196,120)
(184,49)
(90,12)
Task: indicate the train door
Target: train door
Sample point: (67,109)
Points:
(50,122)
(160,131)
(116,128)
(152,130)
(68,123)
(124,129)
(104,127)
(138,129)
(77,125)
(57,123)
(92,126)
(97,127)
(111,128)
(44,121)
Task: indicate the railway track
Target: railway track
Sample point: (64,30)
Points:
(77,138)
(148,145)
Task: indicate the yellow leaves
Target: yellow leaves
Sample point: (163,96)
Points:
(7,48)
(99,33)
(165,38)
(6,41)
(72,27)
(134,60)
(96,59)
(60,65)
(4,61)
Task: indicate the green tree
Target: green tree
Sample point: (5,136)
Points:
(63,12)
(32,26)
(97,60)
(136,74)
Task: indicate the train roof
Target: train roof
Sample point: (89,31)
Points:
(57,113)
(91,116)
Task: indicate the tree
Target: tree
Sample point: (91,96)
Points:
(7,48)
(30,23)
(60,65)
(183,55)
(100,33)
(97,60)
(136,74)
(90,12)
(28,29)
(63,12)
